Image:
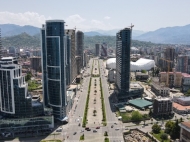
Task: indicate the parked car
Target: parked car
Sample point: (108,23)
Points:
(88,129)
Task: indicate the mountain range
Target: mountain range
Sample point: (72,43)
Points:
(168,35)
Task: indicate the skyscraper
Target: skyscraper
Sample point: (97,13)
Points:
(54,55)
(97,49)
(80,47)
(123,44)
(104,52)
(15,101)
(68,61)
(71,33)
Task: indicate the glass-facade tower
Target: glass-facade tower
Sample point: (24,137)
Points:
(54,57)
(123,44)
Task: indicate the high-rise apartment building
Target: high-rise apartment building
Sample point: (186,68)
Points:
(183,63)
(170,54)
(80,47)
(123,44)
(54,53)
(103,51)
(15,100)
(162,106)
(35,63)
(68,61)
(71,33)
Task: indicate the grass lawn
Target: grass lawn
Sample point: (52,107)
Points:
(50,141)
(157,136)
(82,137)
(32,85)
(106,140)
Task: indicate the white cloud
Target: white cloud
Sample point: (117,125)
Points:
(26,18)
(75,19)
(107,17)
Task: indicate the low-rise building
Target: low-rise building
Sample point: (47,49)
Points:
(172,79)
(185,131)
(111,75)
(184,101)
(160,90)
(142,76)
(162,106)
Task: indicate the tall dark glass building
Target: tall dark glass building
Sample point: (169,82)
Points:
(54,62)
(15,101)
(68,61)
(80,47)
(123,44)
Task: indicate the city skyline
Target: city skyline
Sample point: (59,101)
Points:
(146,16)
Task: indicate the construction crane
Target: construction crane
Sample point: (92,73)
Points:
(131,26)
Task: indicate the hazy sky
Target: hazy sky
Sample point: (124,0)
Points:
(146,15)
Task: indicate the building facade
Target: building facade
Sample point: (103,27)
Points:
(54,67)
(15,100)
(68,61)
(71,34)
(97,49)
(184,131)
(123,44)
(182,63)
(80,46)
(35,64)
(160,90)
(162,107)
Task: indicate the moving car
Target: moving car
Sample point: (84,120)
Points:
(87,128)
(116,128)
(97,127)
(111,126)
(94,131)
(74,133)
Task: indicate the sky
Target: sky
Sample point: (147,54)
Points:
(88,15)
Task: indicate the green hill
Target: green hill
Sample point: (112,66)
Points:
(24,40)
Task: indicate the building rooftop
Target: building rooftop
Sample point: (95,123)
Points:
(135,85)
(186,124)
(140,103)
(185,75)
(180,107)
(159,98)
(184,98)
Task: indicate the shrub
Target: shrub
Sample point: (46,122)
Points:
(164,136)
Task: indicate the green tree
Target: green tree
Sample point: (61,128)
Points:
(156,129)
(164,136)
(28,76)
(136,116)
(169,126)
(143,71)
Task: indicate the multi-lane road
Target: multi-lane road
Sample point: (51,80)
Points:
(77,114)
